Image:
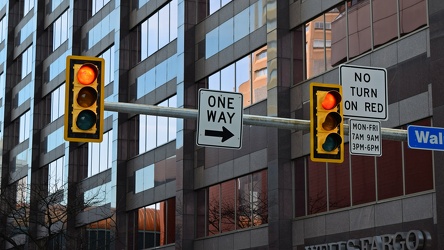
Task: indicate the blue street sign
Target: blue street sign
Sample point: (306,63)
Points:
(421,137)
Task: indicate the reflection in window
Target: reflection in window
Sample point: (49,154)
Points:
(26,62)
(97,5)
(98,234)
(234,28)
(27,6)
(58,66)
(159,29)
(100,154)
(157,130)
(105,26)
(60,30)
(157,76)
(24,94)
(25,126)
(368,27)
(55,139)
(27,30)
(57,102)
(232,205)
(214,5)
(20,161)
(247,76)
(144,178)
(156,224)
(55,3)
(56,175)
(3,29)
(108,55)
(98,196)
(321,187)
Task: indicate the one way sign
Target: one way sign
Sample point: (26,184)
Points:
(220,119)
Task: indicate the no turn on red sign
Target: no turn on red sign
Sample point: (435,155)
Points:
(364,90)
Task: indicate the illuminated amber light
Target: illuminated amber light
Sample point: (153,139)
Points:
(87,74)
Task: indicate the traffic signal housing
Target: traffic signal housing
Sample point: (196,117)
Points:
(326,123)
(84,99)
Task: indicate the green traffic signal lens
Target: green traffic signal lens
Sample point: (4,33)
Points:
(87,96)
(332,142)
(332,121)
(86,119)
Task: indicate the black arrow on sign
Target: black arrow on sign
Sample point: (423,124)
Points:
(225,133)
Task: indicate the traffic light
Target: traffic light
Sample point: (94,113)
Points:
(84,100)
(326,123)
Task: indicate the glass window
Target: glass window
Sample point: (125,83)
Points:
(157,130)
(421,178)
(385,24)
(234,28)
(26,62)
(234,204)
(108,55)
(98,234)
(100,154)
(158,30)
(144,178)
(323,187)
(226,34)
(56,175)
(326,37)
(3,29)
(390,182)
(240,29)
(97,5)
(25,126)
(214,5)
(247,76)
(60,30)
(27,6)
(164,34)
(153,33)
(155,224)
(58,102)
(55,139)
(24,94)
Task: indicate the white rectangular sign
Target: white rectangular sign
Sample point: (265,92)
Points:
(220,118)
(365,137)
(364,90)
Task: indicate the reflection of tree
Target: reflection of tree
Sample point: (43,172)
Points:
(41,223)
(318,203)
(251,209)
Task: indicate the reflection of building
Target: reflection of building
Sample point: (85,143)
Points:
(258,78)
(318,43)
(153,187)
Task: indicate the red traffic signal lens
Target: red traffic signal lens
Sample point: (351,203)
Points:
(87,74)
(86,119)
(86,97)
(332,142)
(332,121)
(331,100)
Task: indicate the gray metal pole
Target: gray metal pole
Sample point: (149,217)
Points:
(266,121)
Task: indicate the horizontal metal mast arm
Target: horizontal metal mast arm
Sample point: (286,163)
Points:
(257,120)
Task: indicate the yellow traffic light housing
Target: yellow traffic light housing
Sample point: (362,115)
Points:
(326,123)
(84,100)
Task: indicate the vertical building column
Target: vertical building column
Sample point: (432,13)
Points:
(436,22)
(186,98)
(278,105)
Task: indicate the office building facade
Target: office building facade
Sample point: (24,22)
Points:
(148,185)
